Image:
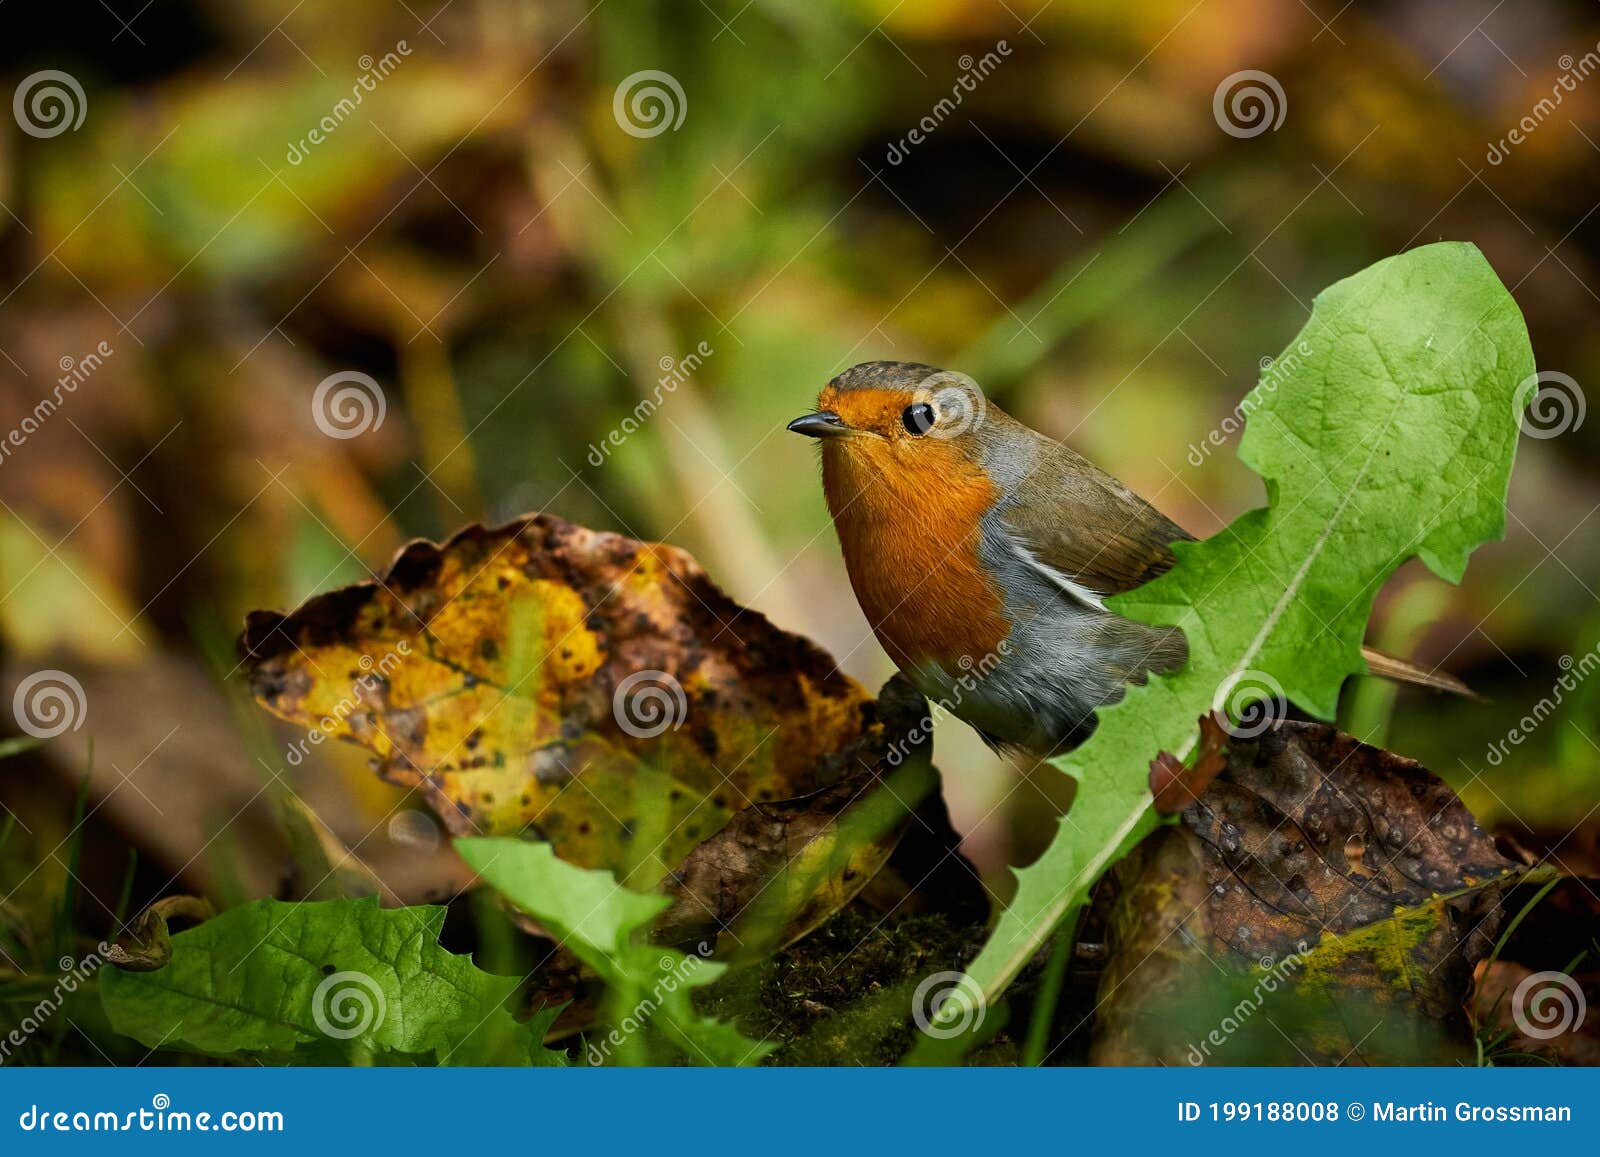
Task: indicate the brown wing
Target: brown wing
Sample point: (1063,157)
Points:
(1077,519)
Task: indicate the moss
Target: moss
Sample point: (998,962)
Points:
(1394,947)
(843,995)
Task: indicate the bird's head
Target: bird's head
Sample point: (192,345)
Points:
(900,431)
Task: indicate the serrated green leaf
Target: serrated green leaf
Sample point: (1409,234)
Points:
(1387,430)
(337,981)
(602,923)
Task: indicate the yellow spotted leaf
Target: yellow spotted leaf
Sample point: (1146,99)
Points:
(546,680)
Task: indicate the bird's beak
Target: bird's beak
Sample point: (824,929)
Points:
(823,424)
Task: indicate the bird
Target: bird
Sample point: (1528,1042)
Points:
(983,552)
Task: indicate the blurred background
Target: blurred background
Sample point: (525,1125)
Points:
(299,282)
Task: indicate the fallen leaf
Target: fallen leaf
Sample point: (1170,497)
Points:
(167,766)
(877,843)
(546,680)
(778,870)
(1323,902)
(1311,832)
(1175,785)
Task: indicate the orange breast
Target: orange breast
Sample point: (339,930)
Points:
(908,525)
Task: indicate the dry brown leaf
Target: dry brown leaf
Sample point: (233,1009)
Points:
(1175,785)
(1324,901)
(777,871)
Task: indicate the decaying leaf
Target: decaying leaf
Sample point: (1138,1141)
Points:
(1175,785)
(1341,894)
(147,945)
(544,679)
(760,884)
(778,870)
(1280,829)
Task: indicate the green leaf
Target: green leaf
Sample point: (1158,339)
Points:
(339,981)
(602,923)
(1386,430)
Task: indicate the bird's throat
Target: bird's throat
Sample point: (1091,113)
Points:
(909,532)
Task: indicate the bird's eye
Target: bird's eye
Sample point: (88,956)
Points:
(917,418)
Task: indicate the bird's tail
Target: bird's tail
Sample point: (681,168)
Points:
(1389,667)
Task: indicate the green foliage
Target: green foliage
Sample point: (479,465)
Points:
(600,922)
(18,745)
(330,982)
(346,981)
(1386,430)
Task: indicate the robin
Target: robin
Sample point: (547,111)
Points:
(983,551)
